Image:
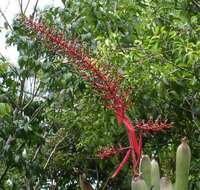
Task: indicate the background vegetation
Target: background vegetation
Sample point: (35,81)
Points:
(52,123)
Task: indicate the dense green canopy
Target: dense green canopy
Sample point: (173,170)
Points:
(52,123)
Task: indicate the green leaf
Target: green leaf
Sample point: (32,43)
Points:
(5,109)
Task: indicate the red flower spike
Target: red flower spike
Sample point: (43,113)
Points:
(103,82)
(107,87)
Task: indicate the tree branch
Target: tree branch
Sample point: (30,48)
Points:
(63,1)
(20,99)
(36,152)
(34,94)
(97,174)
(27,6)
(39,147)
(106,183)
(53,151)
(35,9)
(196,3)
(37,95)
(37,111)
(4,173)
(6,20)
(20,6)
(2,56)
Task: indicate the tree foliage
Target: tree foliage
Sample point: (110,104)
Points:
(52,123)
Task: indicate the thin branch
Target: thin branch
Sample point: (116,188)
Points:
(20,6)
(20,99)
(196,3)
(106,183)
(63,1)
(36,152)
(39,147)
(27,6)
(192,110)
(97,174)
(36,185)
(34,94)
(53,151)
(181,107)
(4,173)
(35,9)
(6,20)
(39,96)
(4,58)
(37,111)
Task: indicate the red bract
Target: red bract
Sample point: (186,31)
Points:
(122,163)
(106,86)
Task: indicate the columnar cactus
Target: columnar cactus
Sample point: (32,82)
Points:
(145,169)
(183,157)
(165,184)
(155,175)
(138,184)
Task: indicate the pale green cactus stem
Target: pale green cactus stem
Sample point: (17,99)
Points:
(165,184)
(145,169)
(183,157)
(150,172)
(138,184)
(155,175)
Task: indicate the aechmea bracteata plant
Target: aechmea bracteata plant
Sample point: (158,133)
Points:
(105,84)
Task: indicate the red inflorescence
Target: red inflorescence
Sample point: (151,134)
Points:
(102,82)
(106,86)
(151,126)
(108,152)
